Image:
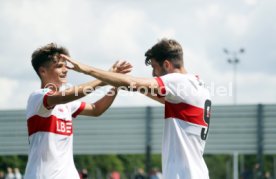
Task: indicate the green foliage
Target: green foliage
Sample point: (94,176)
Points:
(100,165)
(13,161)
(268,164)
(217,165)
(84,161)
(156,161)
(103,163)
(109,163)
(132,162)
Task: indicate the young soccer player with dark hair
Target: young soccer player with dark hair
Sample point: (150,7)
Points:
(50,111)
(187,107)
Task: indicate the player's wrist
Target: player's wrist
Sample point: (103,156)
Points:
(115,89)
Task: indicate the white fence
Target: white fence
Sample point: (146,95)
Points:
(245,129)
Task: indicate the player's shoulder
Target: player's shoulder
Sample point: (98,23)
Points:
(35,100)
(38,94)
(42,91)
(178,77)
(73,103)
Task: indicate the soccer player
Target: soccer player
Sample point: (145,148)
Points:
(187,107)
(50,111)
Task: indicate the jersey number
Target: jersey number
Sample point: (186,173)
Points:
(206,117)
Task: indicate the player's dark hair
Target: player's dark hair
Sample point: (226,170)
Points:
(165,49)
(43,55)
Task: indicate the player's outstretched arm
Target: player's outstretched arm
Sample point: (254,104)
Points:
(115,79)
(156,98)
(71,94)
(104,103)
(99,107)
(77,92)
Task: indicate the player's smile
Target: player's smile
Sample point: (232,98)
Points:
(56,73)
(63,78)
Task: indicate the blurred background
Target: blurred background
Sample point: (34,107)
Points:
(229,44)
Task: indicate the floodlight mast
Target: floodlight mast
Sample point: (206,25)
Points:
(234,60)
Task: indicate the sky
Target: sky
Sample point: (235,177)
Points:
(98,33)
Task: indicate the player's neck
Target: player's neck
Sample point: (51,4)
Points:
(180,70)
(52,86)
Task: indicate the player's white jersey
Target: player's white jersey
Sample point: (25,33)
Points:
(50,138)
(187,113)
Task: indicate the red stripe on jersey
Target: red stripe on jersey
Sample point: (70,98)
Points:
(185,112)
(49,124)
(45,100)
(81,108)
(161,85)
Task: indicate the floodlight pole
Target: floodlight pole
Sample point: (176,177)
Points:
(148,140)
(234,60)
(235,165)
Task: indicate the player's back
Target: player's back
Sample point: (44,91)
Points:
(187,110)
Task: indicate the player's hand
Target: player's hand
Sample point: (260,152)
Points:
(121,67)
(74,65)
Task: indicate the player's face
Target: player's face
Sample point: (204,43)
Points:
(56,73)
(157,70)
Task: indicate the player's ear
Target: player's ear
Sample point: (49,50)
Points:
(167,65)
(42,71)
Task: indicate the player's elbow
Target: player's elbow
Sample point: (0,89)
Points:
(97,114)
(98,110)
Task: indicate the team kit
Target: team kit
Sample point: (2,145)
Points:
(50,111)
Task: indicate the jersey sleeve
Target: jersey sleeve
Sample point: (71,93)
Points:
(76,108)
(171,85)
(37,102)
(45,104)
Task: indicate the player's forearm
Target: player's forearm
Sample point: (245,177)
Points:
(143,85)
(104,103)
(116,79)
(73,93)
(156,98)
(80,91)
